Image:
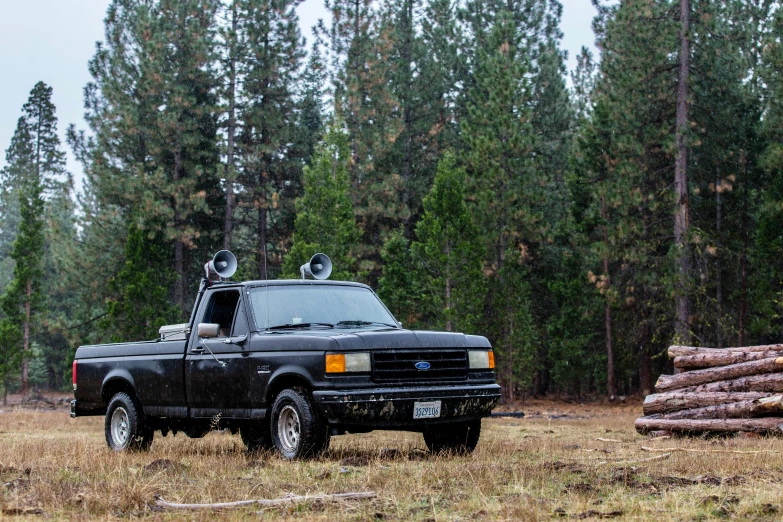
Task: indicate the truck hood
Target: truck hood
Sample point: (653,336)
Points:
(385,339)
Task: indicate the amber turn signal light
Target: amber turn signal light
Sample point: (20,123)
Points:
(335,363)
(491,356)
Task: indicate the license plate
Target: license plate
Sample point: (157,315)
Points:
(426,410)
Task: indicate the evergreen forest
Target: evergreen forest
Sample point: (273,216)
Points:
(437,150)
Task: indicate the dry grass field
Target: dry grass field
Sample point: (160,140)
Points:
(549,464)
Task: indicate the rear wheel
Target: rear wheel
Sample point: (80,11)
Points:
(453,438)
(124,426)
(297,429)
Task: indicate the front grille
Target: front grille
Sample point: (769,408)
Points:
(399,365)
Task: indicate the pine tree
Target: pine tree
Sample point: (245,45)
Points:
(23,298)
(448,253)
(270,167)
(420,82)
(144,305)
(325,219)
(361,42)
(499,142)
(397,286)
(231,57)
(36,165)
(61,295)
(152,110)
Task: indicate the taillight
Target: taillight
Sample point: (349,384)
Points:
(74,375)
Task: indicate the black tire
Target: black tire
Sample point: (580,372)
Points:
(302,432)
(124,425)
(256,435)
(460,438)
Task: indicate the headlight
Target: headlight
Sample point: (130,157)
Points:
(347,362)
(481,359)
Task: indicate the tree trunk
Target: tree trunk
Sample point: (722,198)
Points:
(734,410)
(645,370)
(449,325)
(261,257)
(611,386)
(764,425)
(668,402)
(710,360)
(743,304)
(718,267)
(407,160)
(232,77)
(26,338)
(769,382)
(262,201)
(678,351)
(721,373)
(681,218)
(179,264)
(510,348)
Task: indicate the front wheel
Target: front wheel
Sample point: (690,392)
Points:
(297,430)
(124,426)
(459,438)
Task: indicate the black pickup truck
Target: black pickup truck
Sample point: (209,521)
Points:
(288,364)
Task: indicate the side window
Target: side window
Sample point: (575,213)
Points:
(240,322)
(220,310)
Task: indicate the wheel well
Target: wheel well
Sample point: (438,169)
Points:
(115,386)
(284,382)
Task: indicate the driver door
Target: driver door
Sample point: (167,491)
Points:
(215,368)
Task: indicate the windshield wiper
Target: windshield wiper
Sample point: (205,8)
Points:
(364,323)
(298,325)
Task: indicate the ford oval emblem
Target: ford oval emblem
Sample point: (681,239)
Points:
(422,365)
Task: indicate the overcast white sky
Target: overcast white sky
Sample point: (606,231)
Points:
(52,40)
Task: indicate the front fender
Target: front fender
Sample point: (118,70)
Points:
(290,372)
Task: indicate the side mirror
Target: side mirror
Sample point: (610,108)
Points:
(399,323)
(208,330)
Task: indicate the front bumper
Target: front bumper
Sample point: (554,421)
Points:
(393,407)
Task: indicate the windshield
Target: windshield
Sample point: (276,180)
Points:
(318,306)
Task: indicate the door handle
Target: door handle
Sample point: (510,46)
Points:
(197,349)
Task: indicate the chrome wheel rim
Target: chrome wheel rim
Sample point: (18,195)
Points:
(120,426)
(288,428)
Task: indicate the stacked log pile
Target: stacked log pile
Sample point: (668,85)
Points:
(718,390)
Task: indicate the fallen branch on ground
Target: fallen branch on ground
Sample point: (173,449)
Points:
(292,499)
(650,459)
(688,450)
